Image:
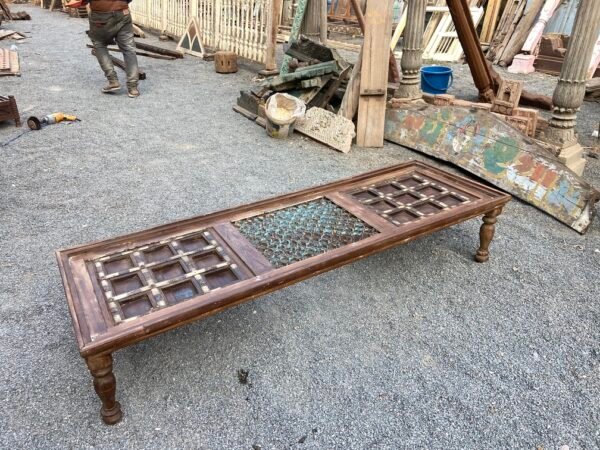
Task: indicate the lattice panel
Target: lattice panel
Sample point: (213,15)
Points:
(296,233)
(147,278)
(409,199)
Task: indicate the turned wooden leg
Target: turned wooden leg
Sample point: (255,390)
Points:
(486,234)
(105,386)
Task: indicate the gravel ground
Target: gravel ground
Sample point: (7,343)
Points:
(417,347)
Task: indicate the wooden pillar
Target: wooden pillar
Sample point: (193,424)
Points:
(412,51)
(465,30)
(570,90)
(323,29)
(273,26)
(311,25)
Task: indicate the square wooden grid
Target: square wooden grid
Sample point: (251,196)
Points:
(147,278)
(409,199)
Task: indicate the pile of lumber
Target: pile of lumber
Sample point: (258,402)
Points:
(318,76)
(327,84)
(6,14)
(520,41)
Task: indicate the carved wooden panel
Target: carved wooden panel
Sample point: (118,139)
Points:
(138,281)
(409,199)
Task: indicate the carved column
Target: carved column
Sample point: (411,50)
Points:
(570,91)
(311,26)
(412,51)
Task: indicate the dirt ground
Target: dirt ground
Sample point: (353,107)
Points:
(417,347)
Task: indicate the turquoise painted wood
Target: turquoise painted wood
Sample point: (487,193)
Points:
(491,149)
(294,34)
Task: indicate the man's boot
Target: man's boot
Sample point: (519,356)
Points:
(112,86)
(133,91)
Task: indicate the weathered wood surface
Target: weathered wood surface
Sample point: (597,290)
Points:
(374,75)
(294,34)
(520,33)
(487,147)
(9,110)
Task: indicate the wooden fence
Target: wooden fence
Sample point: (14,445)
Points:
(243,26)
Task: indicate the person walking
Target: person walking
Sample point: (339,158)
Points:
(110,20)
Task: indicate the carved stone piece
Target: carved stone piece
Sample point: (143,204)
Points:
(329,128)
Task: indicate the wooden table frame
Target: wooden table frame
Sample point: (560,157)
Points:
(99,332)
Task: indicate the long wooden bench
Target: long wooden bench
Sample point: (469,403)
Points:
(124,290)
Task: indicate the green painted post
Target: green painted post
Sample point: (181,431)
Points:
(294,34)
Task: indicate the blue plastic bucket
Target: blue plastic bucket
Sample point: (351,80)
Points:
(436,79)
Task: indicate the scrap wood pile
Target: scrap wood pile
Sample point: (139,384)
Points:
(6,14)
(521,43)
(318,77)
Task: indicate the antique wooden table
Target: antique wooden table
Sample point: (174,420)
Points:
(127,289)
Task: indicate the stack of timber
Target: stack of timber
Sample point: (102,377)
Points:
(318,76)
(519,39)
(6,14)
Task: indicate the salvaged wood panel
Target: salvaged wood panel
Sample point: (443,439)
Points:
(444,44)
(124,290)
(191,41)
(9,62)
(374,75)
(489,148)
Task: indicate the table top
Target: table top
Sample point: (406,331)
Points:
(126,289)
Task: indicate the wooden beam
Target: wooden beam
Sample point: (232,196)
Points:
(374,74)
(393,65)
(159,50)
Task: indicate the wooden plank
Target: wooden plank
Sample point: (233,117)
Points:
(349,105)
(274,20)
(294,33)
(520,33)
(251,257)
(489,148)
(159,50)
(489,22)
(374,74)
